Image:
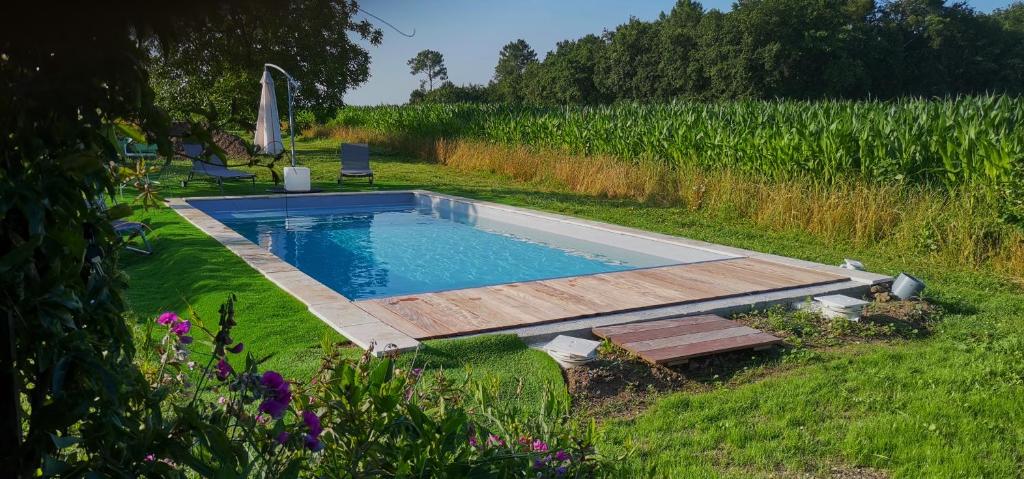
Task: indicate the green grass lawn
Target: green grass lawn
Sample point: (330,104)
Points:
(951,405)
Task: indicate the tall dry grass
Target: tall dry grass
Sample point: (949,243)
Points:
(956,227)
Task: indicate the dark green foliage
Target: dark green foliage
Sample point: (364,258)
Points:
(216,70)
(806,49)
(567,75)
(513,59)
(62,292)
(74,403)
(449,92)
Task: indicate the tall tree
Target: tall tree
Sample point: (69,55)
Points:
(216,68)
(566,76)
(513,59)
(679,70)
(431,64)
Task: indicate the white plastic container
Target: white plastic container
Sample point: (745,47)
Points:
(296,178)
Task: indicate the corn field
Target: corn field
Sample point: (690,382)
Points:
(969,141)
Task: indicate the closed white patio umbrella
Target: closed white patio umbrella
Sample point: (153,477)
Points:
(268,129)
(268,123)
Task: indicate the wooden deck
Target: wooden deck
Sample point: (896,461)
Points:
(477,310)
(674,341)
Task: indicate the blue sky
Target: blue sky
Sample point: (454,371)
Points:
(469,33)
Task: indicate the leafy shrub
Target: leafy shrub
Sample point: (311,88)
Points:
(356,418)
(304,120)
(383,421)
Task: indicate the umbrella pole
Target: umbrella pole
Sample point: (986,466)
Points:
(291,95)
(291,118)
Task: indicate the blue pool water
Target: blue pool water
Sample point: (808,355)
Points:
(369,252)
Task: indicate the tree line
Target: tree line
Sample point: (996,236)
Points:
(762,49)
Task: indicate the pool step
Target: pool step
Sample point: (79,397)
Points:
(675,341)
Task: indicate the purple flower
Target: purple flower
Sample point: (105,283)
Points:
(181,328)
(282,437)
(538,464)
(312,443)
(236,348)
(272,380)
(223,369)
(185,340)
(562,456)
(472,441)
(539,446)
(273,407)
(560,471)
(312,422)
(167,318)
(416,372)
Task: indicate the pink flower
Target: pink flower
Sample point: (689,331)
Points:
(167,318)
(150,457)
(181,328)
(472,441)
(222,400)
(539,446)
(493,439)
(261,419)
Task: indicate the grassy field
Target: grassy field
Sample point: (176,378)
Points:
(951,405)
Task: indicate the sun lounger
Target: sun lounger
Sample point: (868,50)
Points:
(355,161)
(213,168)
(127,230)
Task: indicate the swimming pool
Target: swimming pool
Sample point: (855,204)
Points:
(378,245)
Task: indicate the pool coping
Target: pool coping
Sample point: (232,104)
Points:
(367,331)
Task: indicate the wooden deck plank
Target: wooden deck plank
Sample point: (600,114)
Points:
(417,312)
(670,331)
(668,355)
(670,341)
(606,331)
(392,319)
(689,338)
(467,311)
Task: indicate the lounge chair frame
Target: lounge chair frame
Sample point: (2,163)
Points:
(355,161)
(213,168)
